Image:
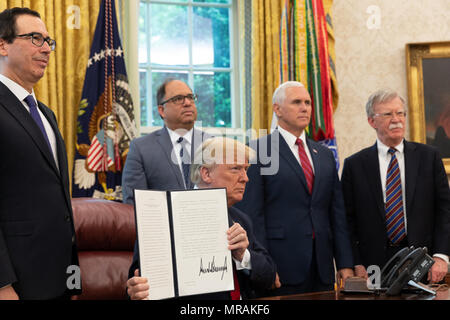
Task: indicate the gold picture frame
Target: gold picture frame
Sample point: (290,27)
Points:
(428,72)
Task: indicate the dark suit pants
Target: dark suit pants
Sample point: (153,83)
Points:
(313,283)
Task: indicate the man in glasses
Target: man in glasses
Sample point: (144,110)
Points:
(161,160)
(396,192)
(37,243)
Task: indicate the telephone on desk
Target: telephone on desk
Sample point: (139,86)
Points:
(407,267)
(401,273)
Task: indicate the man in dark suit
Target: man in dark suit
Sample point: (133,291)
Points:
(155,161)
(294,199)
(419,215)
(37,242)
(256,270)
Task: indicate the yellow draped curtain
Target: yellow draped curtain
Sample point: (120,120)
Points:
(72,24)
(266,15)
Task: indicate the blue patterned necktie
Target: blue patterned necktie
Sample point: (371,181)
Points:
(36,117)
(185,162)
(395,221)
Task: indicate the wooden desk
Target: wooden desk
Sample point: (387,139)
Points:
(332,295)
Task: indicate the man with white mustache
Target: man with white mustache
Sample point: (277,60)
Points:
(396,193)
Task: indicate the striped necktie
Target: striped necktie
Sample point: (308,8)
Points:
(185,162)
(306,165)
(395,221)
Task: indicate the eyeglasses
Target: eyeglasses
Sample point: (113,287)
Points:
(390,115)
(38,39)
(180,99)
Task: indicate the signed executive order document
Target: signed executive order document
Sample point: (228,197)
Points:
(183,247)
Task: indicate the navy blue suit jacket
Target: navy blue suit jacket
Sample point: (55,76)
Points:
(285,215)
(259,279)
(37,236)
(427,203)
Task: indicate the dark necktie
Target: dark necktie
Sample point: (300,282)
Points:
(395,221)
(36,117)
(306,165)
(185,162)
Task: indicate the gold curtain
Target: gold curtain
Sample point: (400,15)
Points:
(328,6)
(72,24)
(266,15)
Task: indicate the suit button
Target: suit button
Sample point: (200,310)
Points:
(67,218)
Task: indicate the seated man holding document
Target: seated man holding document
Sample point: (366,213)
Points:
(218,163)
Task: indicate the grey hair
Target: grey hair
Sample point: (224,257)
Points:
(219,150)
(280,93)
(381,96)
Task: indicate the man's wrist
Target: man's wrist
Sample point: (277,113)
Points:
(245,263)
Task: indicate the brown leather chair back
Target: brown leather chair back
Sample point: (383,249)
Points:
(106,233)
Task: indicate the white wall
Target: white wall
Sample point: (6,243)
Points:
(370,54)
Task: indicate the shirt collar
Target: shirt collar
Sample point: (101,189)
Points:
(290,138)
(174,135)
(383,149)
(20,92)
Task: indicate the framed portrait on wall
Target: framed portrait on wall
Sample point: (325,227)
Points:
(428,72)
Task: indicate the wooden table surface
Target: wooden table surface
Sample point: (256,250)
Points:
(336,295)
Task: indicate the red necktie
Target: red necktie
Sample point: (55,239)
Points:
(236,293)
(306,165)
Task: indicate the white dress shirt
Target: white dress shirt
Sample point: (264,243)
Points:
(291,139)
(21,94)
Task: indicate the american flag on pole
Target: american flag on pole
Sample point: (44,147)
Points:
(96,157)
(105,118)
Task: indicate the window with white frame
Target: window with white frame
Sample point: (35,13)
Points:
(194,41)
